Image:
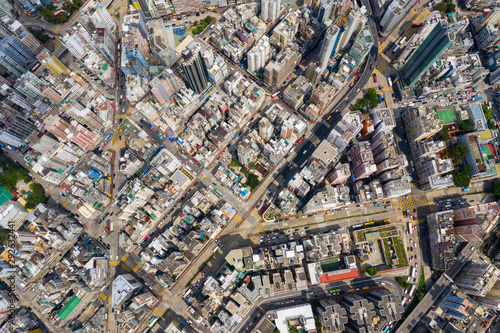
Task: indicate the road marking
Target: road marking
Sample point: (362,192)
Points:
(387,89)
(56,30)
(125,267)
(259,228)
(114,263)
(158,312)
(120,116)
(102,296)
(125,256)
(237,218)
(138,267)
(163,291)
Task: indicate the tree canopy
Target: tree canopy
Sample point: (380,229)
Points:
(252,180)
(488,112)
(466,125)
(458,151)
(495,189)
(443,134)
(402,282)
(371,270)
(461,177)
(370,100)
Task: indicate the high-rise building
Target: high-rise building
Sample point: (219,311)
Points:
(325,10)
(13,48)
(257,57)
(53,63)
(31,86)
(477,279)
(332,315)
(195,69)
(488,37)
(492,17)
(329,45)
(264,10)
(492,299)
(26,37)
(5,9)
(96,12)
(427,53)
(14,127)
(391,17)
(266,129)
(123,288)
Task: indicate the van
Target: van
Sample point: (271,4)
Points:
(352,84)
(358,90)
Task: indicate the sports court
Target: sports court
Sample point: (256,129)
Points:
(330,265)
(447,115)
(488,151)
(179,35)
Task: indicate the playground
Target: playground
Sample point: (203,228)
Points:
(447,115)
(179,35)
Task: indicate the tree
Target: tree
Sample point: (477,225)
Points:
(461,177)
(371,270)
(441,7)
(488,113)
(443,134)
(253,180)
(466,125)
(208,19)
(459,151)
(402,282)
(491,125)
(39,35)
(195,23)
(495,189)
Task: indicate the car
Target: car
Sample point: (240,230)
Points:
(376,67)
(337,110)
(416,264)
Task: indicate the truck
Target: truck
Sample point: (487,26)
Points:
(379,97)
(395,49)
(389,81)
(402,40)
(275,94)
(477,98)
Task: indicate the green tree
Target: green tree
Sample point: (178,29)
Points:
(491,125)
(441,7)
(459,151)
(195,31)
(461,177)
(450,8)
(402,282)
(488,113)
(67,6)
(466,125)
(39,35)
(443,134)
(208,19)
(252,180)
(371,270)
(495,189)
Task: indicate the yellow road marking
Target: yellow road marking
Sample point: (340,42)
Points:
(102,296)
(259,228)
(114,263)
(237,218)
(387,89)
(120,116)
(158,312)
(56,30)
(125,267)
(125,256)
(137,268)
(163,291)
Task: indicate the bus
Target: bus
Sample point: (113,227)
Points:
(329,117)
(275,94)
(412,290)
(402,40)
(380,98)
(219,193)
(389,81)
(409,226)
